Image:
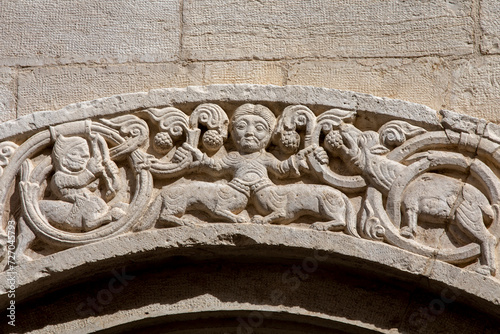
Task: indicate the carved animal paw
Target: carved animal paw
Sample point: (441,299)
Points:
(23,258)
(259,220)
(117,213)
(485,270)
(328,226)
(172,221)
(240,220)
(408,233)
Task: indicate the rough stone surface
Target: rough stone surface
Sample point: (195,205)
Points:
(276,29)
(490,26)
(403,201)
(53,88)
(47,32)
(437,53)
(476,87)
(336,292)
(329,98)
(251,72)
(418,80)
(8,93)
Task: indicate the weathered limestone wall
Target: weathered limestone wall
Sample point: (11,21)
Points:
(441,53)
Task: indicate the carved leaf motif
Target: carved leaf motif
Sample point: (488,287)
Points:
(6,150)
(330,120)
(350,179)
(214,118)
(170,119)
(173,123)
(293,118)
(395,133)
(334,117)
(133,128)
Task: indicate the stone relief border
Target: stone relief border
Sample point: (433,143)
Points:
(336,162)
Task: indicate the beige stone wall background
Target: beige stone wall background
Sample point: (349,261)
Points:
(441,53)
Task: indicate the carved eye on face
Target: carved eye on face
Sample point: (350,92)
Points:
(251,133)
(78,154)
(241,125)
(76,158)
(260,127)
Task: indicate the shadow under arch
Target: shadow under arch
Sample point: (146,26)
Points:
(232,271)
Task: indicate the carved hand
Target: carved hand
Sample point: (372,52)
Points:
(197,154)
(95,166)
(303,154)
(180,155)
(320,155)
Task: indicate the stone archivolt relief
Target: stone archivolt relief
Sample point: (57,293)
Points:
(428,190)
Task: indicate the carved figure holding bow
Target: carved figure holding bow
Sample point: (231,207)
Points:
(76,181)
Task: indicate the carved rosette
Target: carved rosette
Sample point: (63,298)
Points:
(431,189)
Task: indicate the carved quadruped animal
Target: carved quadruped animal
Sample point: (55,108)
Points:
(249,166)
(284,204)
(217,200)
(133,164)
(442,199)
(431,197)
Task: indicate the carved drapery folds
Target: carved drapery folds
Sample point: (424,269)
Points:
(430,190)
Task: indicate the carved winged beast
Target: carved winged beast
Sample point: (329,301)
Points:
(432,197)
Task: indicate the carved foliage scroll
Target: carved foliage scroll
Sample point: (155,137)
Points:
(432,192)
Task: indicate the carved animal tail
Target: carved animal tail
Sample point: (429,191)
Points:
(350,218)
(496,217)
(151,216)
(492,211)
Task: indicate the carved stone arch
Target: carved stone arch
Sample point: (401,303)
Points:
(151,211)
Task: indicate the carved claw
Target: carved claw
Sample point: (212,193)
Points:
(172,221)
(485,270)
(257,219)
(239,220)
(328,226)
(408,233)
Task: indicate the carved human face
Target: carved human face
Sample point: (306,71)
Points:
(251,133)
(76,158)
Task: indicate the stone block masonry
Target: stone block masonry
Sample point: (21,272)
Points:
(439,53)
